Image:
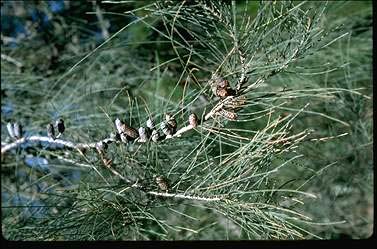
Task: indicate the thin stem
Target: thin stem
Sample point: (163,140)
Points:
(68,144)
(138,186)
(189,197)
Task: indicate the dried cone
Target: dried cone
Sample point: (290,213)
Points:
(222,83)
(150,127)
(193,120)
(228,114)
(155,136)
(51,131)
(143,136)
(171,122)
(150,124)
(60,125)
(17,128)
(236,103)
(119,126)
(126,132)
(10,129)
(215,81)
(130,132)
(166,129)
(162,184)
(222,92)
(220,87)
(123,138)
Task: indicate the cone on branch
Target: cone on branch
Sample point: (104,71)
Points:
(51,131)
(193,120)
(150,124)
(18,132)
(10,128)
(235,103)
(227,114)
(123,138)
(118,125)
(155,136)
(125,132)
(150,127)
(162,183)
(221,87)
(171,122)
(166,129)
(60,125)
(143,136)
(130,132)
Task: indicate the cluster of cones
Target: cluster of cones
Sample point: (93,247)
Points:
(126,133)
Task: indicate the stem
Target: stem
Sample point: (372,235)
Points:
(11,60)
(138,186)
(73,145)
(68,144)
(189,197)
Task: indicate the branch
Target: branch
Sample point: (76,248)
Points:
(11,60)
(68,144)
(188,197)
(138,186)
(80,146)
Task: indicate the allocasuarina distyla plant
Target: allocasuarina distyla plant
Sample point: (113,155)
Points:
(217,151)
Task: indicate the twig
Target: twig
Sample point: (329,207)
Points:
(7,39)
(11,60)
(68,144)
(189,197)
(138,186)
